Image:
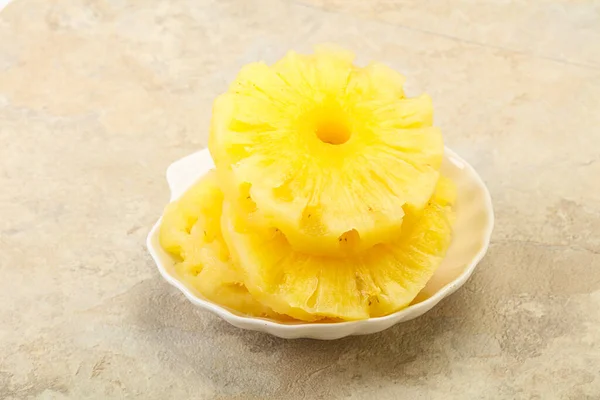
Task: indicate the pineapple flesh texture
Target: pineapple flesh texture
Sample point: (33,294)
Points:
(324,150)
(377,282)
(191,231)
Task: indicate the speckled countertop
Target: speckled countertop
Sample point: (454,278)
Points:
(98,97)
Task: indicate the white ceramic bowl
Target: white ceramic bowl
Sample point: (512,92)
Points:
(472,232)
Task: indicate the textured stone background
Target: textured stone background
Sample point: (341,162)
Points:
(97,97)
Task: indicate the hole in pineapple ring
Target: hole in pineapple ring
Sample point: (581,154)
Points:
(333,130)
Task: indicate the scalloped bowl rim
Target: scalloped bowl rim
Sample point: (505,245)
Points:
(320,330)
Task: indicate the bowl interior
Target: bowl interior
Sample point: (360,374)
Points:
(472,231)
(472,227)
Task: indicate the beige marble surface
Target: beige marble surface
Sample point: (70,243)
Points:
(97,97)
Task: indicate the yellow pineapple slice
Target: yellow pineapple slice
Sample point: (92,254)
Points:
(219,281)
(324,150)
(181,215)
(191,230)
(445,192)
(379,281)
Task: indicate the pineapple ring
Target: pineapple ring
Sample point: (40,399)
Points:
(380,281)
(191,231)
(325,151)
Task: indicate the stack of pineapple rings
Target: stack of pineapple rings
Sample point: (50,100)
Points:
(326,202)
